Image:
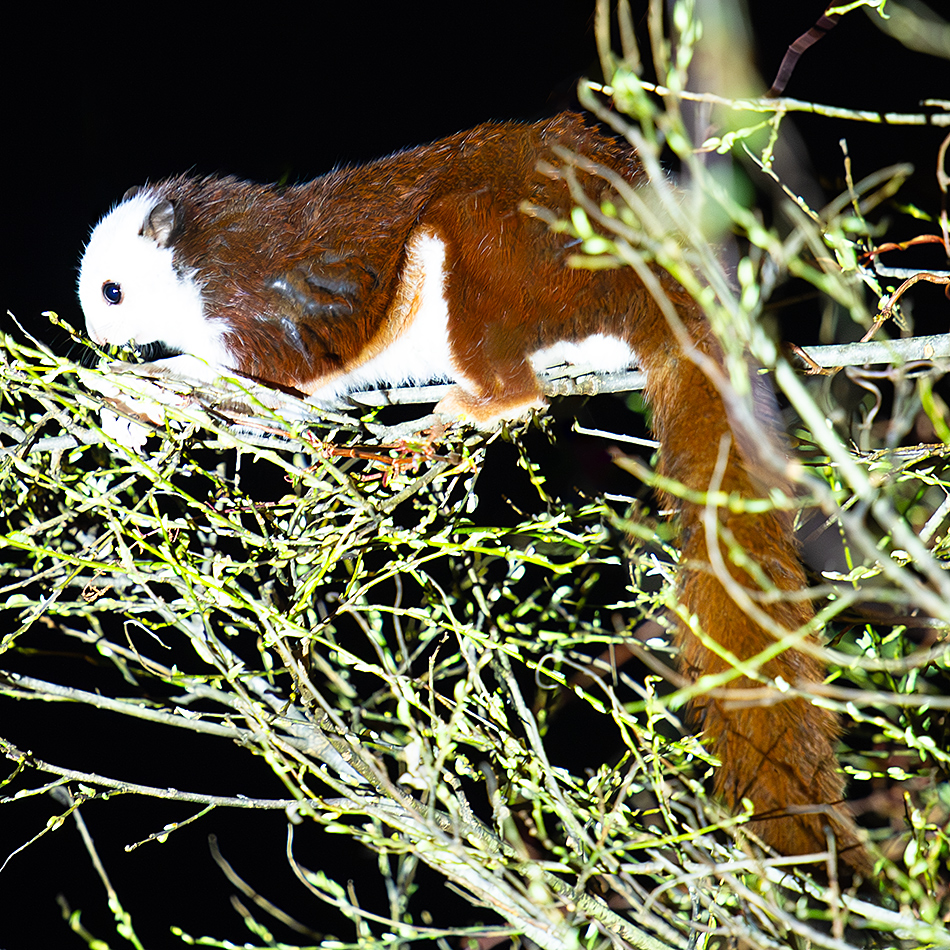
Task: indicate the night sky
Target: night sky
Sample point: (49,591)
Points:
(92,108)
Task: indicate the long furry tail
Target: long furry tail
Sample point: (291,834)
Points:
(742,588)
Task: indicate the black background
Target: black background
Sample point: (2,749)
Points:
(96,101)
(92,107)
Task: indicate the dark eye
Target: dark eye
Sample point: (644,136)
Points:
(111,292)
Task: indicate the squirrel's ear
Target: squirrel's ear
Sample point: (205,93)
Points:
(160,222)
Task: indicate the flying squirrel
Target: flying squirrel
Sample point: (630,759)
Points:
(424,266)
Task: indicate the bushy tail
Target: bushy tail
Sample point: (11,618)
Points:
(779,754)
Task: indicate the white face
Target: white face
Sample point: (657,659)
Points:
(130,291)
